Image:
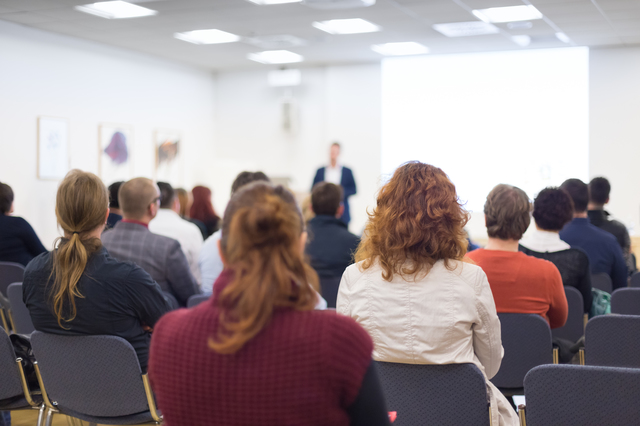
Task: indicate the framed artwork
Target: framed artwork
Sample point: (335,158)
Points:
(169,159)
(53,148)
(115,150)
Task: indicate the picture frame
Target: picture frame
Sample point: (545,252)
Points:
(169,156)
(115,152)
(53,162)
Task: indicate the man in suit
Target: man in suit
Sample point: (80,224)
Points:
(338,175)
(130,240)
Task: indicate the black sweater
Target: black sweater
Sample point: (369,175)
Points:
(18,241)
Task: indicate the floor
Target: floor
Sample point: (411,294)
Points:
(29,418)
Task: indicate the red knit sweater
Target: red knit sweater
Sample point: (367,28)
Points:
(304,368)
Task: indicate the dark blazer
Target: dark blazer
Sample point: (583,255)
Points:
(348,184)
(160,256)
(331,246)
(112,220)
(18,241)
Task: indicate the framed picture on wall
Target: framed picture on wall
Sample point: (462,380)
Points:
(169,156)
(53,148)
(115,151)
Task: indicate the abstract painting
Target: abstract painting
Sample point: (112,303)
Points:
(53,148)
(169,159)
(116,143)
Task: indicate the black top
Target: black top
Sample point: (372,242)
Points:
(331,246)
(18,241)
(573,265)
(112,220)
(119,298)
(600,218)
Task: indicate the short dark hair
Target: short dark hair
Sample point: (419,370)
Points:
(167,195)
(579,193)
(245,178)
(599,189)
(507,212)
(336,144)
(113,194)
(6,198)
(552,209)
(326,198)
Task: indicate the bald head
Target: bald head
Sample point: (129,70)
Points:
(136,197)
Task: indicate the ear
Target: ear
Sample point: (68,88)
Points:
(224,261)
(153,210)
(340,211)
(303,241)
(176,205)
(607,202)
(107,218)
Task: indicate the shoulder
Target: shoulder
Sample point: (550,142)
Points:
(345,335)
(603,235)
(18,222)
(354,272)
(39,263)
(157,239)
(466,272)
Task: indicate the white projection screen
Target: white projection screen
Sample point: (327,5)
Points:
(487,118)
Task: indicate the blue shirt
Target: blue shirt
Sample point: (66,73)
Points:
(602,248)
(210,262)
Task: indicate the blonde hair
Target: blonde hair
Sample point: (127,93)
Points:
(82,202)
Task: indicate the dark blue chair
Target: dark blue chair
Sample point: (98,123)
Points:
(442,395)
(602,281)
(626,301)
(329,289)
(613,341)
(9,273)
(93,378)
(573,330)
(197,299)
(20,316)
(634,282)
(526,339)
(574,395)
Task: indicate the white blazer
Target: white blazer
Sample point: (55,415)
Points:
(445,317)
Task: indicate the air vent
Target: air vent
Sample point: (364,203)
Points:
(276,42)
(338,4)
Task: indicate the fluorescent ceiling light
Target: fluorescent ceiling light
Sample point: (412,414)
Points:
(207,37)
(400,49)
(563,37)
(116,10)
(347,26)
(508,14)
(521,40)
(268,2)
(465,29)
(275,57)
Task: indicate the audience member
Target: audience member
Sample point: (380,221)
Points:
(210,262)
(186,201)
(519,283)
(202,209)
(115,214)
(337,174)
(599,190)
(411,288)
(552,210)
(331,246)
(18,241)
(168,223)
(269,359)
(79,289)
(132,241)
(605,254)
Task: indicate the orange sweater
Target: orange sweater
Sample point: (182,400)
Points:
(524,284)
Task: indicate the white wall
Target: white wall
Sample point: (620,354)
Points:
(47,74)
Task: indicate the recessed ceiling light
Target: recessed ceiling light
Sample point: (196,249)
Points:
(207,37)
(400,49)
(268,2)
(508,14)
(116,10)
(563,37)
(347,26)
(465,29)
(521,40)
(520,25)
(276,42)
(275,57)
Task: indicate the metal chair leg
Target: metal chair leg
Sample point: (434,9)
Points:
(41,415)
(49,420)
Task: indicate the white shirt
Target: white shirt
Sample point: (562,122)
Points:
(544,242)
(170,224)
(333,174)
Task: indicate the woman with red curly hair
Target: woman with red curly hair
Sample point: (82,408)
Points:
(202,209)
(411,288)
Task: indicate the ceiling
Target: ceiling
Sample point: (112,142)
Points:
(591,23)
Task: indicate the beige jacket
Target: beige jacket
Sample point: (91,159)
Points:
(447,317)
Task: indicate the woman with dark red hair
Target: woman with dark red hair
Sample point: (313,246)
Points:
(202,209)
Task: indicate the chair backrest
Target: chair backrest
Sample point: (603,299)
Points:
(10,273)
(21,318)
(526,339)
(443,395)
(574,395)
(602,281)
(626,301)
(613,341)
(329,289)
(197,299)
(634,282)
(573,330)
(93,375)
(10,384)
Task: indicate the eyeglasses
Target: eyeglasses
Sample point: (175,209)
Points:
(156,200)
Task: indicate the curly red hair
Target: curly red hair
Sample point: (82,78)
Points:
(418,220)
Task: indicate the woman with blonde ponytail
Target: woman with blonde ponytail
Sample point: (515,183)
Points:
(78,288)
(257,353)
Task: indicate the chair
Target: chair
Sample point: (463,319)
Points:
(634,282)
(93,378)
(329,289)
(9,273)
(197,299)
(20,316)
(526,339)
(443,395)
(613,341)
(602,282)
(573,330)
(626,301)
(574,395)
